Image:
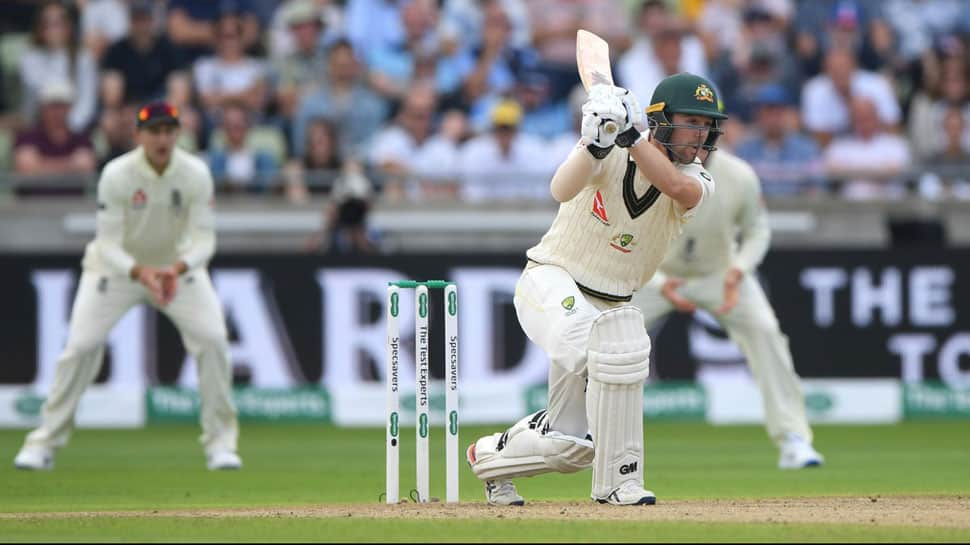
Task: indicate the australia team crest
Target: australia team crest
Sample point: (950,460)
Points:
(623,242)
(703,92)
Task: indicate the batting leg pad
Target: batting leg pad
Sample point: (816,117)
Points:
(618,364)
(529,448)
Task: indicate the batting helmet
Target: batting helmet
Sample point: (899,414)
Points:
(684,93)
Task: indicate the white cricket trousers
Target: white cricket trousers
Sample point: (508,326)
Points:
(100,302)
(558,317)
(751,324)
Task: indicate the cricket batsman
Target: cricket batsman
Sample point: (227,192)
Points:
(624,197)
(154,238)
(707,269)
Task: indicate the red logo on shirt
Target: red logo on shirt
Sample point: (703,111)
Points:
(599,210)
(139,199)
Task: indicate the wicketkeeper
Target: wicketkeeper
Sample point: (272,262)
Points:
(155,236)
(624,197)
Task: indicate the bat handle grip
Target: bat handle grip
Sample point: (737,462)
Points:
(610,127)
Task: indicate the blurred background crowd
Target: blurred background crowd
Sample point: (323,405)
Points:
(478,100)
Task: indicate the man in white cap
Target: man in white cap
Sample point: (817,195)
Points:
(51,148)
(155,236)
(304,66)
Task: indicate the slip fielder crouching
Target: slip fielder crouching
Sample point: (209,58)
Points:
(154,238)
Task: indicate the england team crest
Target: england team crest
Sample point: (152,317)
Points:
(177,202)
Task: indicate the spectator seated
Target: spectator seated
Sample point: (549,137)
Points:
(51,149)
(243,158)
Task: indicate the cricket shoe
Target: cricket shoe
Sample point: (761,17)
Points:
(35,459)
(497,491)
(629,493)
(797,453)
(502,492)
(223,460)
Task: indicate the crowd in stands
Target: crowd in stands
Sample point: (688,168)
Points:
(479,100)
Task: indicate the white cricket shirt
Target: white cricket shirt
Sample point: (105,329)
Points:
(709,242)
(149,219)
(613,234)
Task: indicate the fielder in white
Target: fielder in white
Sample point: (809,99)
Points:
(707,269)
(624,197)
(155,236)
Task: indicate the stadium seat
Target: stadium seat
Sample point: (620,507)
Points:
(6,149)
(12,47)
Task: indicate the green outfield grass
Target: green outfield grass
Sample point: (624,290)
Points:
(420,531)
(162,468)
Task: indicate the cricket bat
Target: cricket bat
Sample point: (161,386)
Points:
(593,63)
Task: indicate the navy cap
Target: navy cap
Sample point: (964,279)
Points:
(773,94)
(156,113)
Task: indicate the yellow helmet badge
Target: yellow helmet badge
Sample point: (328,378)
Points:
(703,92)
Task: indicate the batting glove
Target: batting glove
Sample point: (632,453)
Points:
(603,110)
(636,119)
